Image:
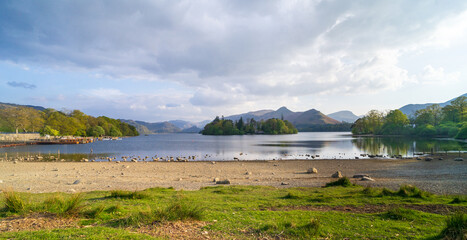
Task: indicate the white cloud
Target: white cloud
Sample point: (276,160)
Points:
(433,75)
(233,55)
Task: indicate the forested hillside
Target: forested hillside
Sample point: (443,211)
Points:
(57,123)
(448,121)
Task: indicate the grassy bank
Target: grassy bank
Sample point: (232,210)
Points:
(235,212)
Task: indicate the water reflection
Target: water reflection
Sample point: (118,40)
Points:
(406,146)
(329,145)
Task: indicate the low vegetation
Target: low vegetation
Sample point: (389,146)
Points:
(243,212)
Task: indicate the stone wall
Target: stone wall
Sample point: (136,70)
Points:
(20,137)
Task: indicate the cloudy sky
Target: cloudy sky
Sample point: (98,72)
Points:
(193,60)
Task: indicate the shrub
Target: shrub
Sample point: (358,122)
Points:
(458,200)
(369,191)
(13,203)
(456,227)
(291,196)
(412,191)
(343,181)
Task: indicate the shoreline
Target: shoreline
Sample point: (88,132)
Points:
(436,176)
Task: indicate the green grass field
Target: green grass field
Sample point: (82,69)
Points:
(243,212)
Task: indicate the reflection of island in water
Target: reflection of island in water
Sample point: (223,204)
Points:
(307,144)
(406,146)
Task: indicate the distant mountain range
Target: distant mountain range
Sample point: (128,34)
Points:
(303,121)
(410,109)
(174,126)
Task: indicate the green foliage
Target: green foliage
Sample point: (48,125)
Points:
(343,181)
(47,130)
(395,123)
(96,131)
(13,203)
(456,227)
(462,133)
(228,127)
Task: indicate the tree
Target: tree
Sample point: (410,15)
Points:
(47,130)
(96,131)
(395,123)
(460,104)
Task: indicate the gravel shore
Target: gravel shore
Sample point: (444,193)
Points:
(437,176)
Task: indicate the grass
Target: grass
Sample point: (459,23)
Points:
(127,194)
(456,227)
(13,203)
(246,212)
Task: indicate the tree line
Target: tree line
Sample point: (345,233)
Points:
(228,127)
(448,121)
(57,123)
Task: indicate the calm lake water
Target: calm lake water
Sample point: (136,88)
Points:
(328,145)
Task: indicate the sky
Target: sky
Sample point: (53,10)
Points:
(194,60)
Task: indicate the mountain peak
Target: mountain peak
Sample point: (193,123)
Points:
(283,110)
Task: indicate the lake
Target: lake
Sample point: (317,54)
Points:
(328,145)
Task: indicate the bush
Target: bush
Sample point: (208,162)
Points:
(343,181)
(456,227)
(13,203)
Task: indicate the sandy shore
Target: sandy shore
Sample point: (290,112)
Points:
(437,176)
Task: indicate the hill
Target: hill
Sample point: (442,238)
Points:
(7,105)
(410,109)
(344,116)
(150,128)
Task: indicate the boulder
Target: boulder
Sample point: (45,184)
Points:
(367,179)
(216,180)
(360,176)
(337,174)
(225,181)
(312,170)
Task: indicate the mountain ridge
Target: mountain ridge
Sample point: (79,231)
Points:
(410,109)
